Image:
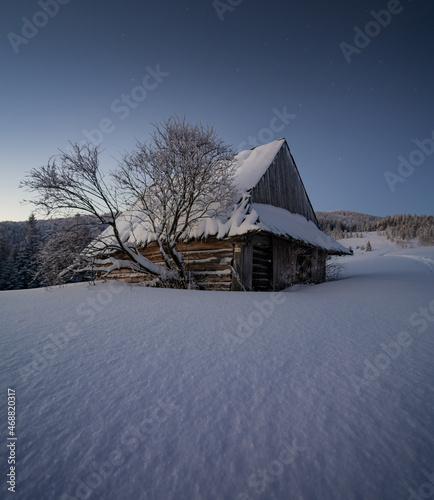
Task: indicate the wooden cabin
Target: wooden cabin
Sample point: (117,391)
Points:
(270,241)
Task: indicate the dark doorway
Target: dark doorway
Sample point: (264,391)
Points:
(262,268)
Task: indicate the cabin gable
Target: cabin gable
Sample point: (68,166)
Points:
(281,186)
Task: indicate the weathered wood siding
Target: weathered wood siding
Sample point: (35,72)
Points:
(268,262)
(208,261)
(261,262)
(281,186)
(318,274)
(242,264)
(284,263)
(296,263)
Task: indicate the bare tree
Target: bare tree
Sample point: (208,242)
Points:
(184,174)
(72,182)
(60,252)
(334,269)
(161,189)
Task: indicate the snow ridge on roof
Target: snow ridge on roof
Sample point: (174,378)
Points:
(252,164)
(281,222)
(252,217)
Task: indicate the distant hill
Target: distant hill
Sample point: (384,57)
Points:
(400,228)
(337,222)
(15,232)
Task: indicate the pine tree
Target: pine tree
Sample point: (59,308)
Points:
(368,246)
(11,269)
(5,262)
(25,263)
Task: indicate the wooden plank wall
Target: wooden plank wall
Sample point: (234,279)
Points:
(284,263)
(242,263)
(262,262)
(318,273)
(286,269)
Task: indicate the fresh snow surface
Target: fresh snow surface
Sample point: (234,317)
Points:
(318,392)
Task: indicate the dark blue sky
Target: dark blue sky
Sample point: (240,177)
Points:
(238,65)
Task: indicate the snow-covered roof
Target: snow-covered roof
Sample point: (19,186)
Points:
(245,217)
(252,164)
(283,223)
(252,217)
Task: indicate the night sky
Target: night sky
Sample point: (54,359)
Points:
(352,106)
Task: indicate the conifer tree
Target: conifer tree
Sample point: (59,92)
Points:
(25,262)
(5,261)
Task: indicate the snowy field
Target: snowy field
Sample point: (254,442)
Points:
(318,392)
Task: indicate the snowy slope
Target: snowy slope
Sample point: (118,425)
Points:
(380,244)
(319,392)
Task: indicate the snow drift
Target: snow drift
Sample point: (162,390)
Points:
(318,392)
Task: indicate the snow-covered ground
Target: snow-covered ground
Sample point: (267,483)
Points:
(318,392)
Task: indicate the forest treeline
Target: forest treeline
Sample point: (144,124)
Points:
(400,228)
(38,253)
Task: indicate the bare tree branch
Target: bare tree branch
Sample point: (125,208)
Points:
(185,173)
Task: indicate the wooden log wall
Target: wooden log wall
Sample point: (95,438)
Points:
(209,263)
(263,262)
